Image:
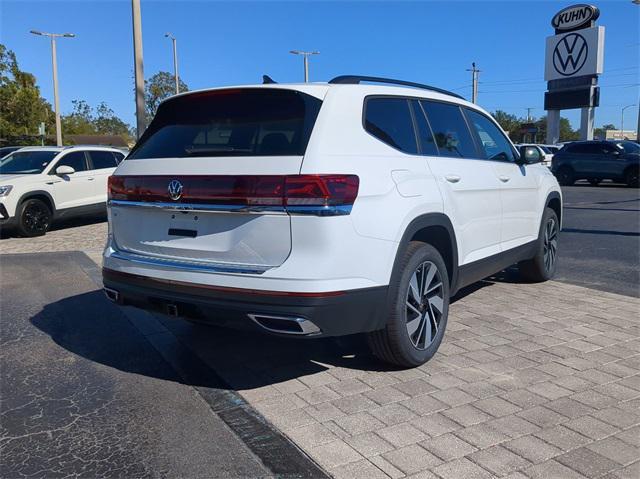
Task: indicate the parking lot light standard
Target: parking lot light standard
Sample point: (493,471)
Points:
(54,62)
(622,120)
(306,61)
(175,60)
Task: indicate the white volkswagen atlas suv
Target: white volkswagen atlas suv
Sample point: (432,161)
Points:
(41,184)
(317,210)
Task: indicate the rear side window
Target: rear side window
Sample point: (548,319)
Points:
(235,122)
(449,129)
(495,145)
(427,143)
(586,148)
(389,120)
(75,160)
(103,159)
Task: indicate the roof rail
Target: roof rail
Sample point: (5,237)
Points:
(356,79)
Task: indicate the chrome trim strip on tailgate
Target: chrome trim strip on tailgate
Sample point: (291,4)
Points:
(330,210)
(188,265)
(200,207)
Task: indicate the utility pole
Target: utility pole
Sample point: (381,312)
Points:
(138,67)
(54,62)
(529,114)
(175,61)
(306,61)
(622,121)
(474,82)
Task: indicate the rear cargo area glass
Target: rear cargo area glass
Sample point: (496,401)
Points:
(233,122)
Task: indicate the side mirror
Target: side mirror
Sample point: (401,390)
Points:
(64,170)
(529,155)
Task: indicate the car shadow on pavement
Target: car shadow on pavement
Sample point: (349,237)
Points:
(61,224)
(90,326)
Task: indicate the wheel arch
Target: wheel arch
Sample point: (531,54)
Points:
(437,230)
(42,195)
(554,201)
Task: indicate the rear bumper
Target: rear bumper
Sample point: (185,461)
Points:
(336,313)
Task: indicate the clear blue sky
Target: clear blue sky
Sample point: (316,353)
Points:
(226,43)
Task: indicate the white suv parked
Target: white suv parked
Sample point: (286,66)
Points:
(325,210)
(41,184)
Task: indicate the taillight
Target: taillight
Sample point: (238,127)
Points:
(321,190)
(296,194)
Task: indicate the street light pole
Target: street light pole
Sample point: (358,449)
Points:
(175,61)
(622,121)
(54,63)
(138,67)
(306,61)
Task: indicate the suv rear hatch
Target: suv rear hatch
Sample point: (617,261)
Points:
(204,186)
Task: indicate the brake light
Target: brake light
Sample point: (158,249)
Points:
(321,190)
(299,194)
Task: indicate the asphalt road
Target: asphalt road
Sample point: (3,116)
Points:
(87,391)
(600,241)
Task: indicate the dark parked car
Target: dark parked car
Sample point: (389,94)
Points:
(596,161)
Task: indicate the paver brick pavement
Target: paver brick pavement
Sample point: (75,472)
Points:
(562,399)
(532,380)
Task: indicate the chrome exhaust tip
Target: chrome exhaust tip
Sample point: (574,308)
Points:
(285,324)
(172,310)
(112,294)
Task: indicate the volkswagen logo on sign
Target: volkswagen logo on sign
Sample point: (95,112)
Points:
(175,190)
(570,54)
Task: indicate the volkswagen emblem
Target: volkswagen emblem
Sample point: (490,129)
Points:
(570,54)
(175,190)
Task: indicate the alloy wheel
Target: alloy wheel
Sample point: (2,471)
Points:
(424,305)
(36,218)
(550,243)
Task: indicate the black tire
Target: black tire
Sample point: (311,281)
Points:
(565,176)
(594,181)
(631,177)
(33,218)
(542,266)
(395,344)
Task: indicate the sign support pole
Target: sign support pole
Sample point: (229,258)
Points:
(553,127)
(586,123)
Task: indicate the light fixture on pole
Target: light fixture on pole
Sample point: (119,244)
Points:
(306,61)
(622,121)
(54,61)
(175,60)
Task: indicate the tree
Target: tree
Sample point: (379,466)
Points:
(80,120)
(509,123)
(566,132)
(22,109)
(160,86)
(107,123)
(83,120)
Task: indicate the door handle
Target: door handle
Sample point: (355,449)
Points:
(90,179)
(504,179)
(452,178)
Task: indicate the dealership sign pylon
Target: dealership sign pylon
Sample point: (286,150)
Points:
(574,59)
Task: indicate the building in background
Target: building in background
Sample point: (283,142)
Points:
(620,135)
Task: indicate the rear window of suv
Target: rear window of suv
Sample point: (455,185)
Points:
(234,122)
